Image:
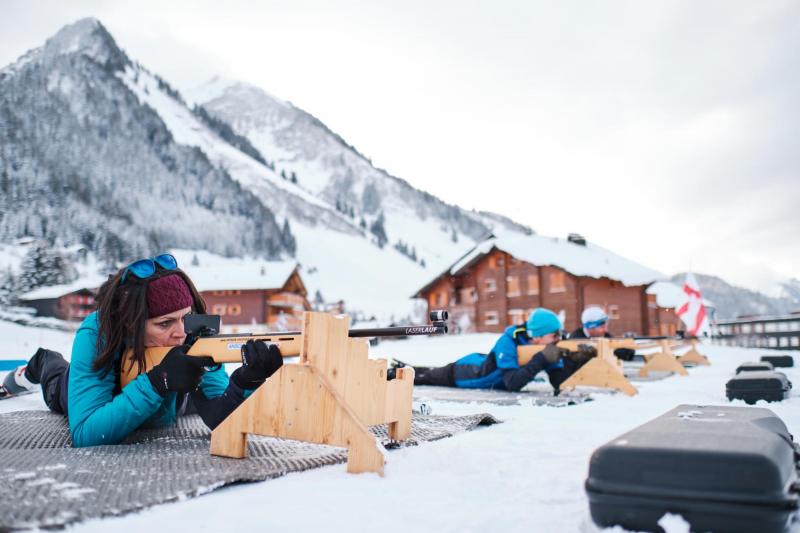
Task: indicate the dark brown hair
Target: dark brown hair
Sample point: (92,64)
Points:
(122,313)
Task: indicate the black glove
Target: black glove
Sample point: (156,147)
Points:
(553,353)
(259,361)
(583,353)
(626,354)
(178,372)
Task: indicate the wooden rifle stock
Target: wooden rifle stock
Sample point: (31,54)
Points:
(526,353)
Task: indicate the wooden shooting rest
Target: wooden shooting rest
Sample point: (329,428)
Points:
(330,396)
(604,370)
(663,361)
(693,356)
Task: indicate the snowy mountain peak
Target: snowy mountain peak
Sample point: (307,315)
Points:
(90,38)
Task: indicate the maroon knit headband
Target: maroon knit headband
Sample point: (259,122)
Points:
(167,295)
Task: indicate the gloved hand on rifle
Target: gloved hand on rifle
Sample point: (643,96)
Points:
(583,354)
(552,353)
(626,354)
(259,361)
(178,372)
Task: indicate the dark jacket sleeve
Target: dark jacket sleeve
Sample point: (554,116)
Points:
(516,378)
(215,410)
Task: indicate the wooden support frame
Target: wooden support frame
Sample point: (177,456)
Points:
(663,361)
(604,370)
(331,396)
(693,356)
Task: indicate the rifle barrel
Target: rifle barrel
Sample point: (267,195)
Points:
(394,331)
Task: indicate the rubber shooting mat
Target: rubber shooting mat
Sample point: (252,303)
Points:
(46,483)
(540,395)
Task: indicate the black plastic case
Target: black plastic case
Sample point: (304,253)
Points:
(768,385)
(754,366)
(722,468)
(783,361)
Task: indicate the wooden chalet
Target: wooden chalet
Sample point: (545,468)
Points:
(253,295)
(72,301)
(501,280)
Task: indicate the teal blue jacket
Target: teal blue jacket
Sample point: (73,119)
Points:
(97,416)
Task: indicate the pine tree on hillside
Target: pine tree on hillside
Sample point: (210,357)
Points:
(287,238)
(319,301)
(377,228)
(294,177)
(41,267)
(6,287)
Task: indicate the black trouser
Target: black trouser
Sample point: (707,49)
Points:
(51,370)
(440,375)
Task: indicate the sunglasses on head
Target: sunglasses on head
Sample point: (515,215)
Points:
(144,268)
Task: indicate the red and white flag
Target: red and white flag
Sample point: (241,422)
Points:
(693,312)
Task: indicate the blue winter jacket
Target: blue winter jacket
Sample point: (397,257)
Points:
(500,368)
(97,416)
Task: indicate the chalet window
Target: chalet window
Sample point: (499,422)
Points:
(558,281)
(773,342)
(516,316)
(758,328)
(746,328)
(490,318)
(227,309)
(795,341)
(489,285)
(512,286)
(469,295)
(613,312)
(533,284)
(770,327)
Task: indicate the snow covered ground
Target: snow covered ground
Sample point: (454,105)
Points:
(525,474)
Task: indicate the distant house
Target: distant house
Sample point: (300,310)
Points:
(72,301)
(780,332)
(267,295)
(501,280)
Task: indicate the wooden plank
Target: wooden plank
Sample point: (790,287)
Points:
(600,373)
(693,356)
(663,361)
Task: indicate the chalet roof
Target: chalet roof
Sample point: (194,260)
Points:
(212,273)
(581,260)
(216,273)
(57,291)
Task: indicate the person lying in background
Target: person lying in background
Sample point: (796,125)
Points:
(594,324)
(500,368)
(141,306)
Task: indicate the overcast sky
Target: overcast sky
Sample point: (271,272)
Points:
(668,132)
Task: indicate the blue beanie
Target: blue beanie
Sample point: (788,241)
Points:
(542,321)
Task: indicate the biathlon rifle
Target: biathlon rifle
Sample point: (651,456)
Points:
(202,334)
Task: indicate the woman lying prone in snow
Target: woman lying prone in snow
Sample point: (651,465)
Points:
(143,305)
